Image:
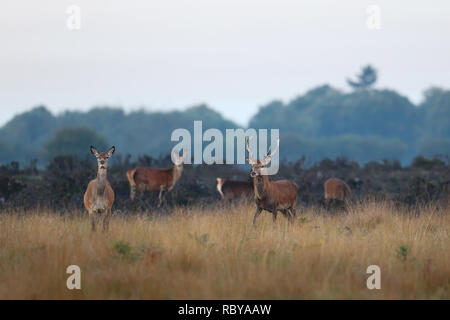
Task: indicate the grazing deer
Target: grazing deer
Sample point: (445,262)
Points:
(336,190)
(161,180)
(99,196)
(231,189)
(272,196)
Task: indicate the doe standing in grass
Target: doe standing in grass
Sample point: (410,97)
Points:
(99,196)
(155,180)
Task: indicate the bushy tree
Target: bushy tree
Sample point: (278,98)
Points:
(365,79)
(435,112)
(26,133)
(74,141)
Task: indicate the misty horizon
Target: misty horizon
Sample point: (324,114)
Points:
(233,56)
(130,109)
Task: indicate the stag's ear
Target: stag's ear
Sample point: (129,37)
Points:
(111,151)
(94,151)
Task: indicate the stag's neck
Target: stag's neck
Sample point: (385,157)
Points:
(101,181)
(261,185)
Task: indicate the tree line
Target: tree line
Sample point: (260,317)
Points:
(363,125)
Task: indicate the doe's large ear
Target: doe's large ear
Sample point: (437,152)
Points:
(111,151)
(94,151)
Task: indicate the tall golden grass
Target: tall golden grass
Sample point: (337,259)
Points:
(216,253)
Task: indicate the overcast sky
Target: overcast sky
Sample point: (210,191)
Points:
(234,55)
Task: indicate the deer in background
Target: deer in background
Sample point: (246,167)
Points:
(337,191)
(155,180)
(272,196)
(99,196)
(231,189)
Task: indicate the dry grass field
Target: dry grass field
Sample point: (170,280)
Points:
(216,253)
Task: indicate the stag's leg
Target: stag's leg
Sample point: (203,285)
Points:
(274,215)
(258,212)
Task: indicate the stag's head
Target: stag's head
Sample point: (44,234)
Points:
(102,157)
(259,166)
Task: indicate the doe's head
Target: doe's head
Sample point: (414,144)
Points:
(103,157)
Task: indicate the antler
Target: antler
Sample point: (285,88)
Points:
(268,157)
(251,158)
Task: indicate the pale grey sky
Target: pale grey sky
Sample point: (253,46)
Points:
(234,55)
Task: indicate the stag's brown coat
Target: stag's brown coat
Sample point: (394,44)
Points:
(272,196)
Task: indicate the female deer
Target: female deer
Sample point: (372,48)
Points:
(233,189)
(99,196)
(156,180)
(337,193)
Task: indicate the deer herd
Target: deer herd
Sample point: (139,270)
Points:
(271,195)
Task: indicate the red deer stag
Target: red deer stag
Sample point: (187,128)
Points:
(155,180)
(233,189)
(99,196)
(336,191)
(272,196)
